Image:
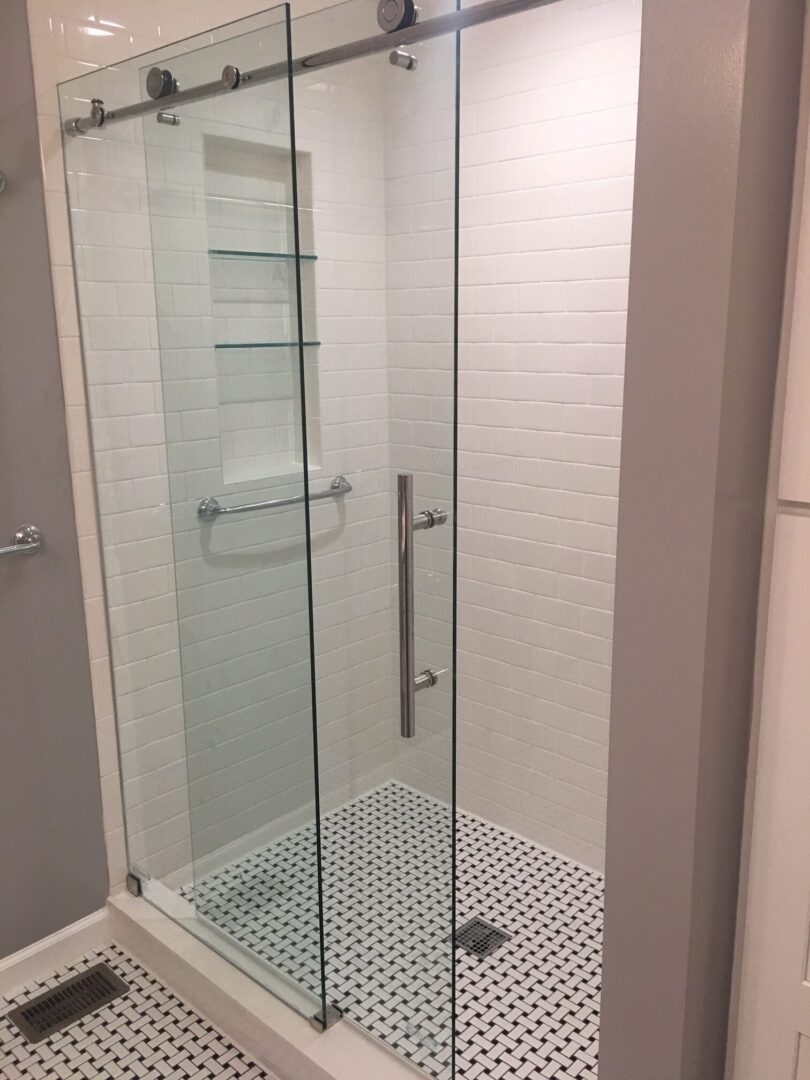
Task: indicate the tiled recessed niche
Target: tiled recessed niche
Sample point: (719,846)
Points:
(248,201)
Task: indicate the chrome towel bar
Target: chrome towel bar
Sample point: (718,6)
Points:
(27,541)
(209,509)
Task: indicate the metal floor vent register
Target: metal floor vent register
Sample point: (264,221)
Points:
(480,938)
(68,1002)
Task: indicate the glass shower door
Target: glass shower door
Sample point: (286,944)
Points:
(379,139)
(232,331)
(269,322)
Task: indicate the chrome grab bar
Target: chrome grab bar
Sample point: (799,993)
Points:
(408,682)
(209,509)
(27,541)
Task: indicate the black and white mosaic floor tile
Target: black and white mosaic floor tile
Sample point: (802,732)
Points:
(148,1034)
(529,1011)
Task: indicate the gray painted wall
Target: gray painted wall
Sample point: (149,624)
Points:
(716,140)
(52,859)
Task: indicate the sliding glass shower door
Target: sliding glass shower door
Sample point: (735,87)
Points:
(266,262)
(377,135)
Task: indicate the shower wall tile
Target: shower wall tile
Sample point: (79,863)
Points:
(548,141)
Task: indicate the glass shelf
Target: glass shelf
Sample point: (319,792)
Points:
(269,345)
(229,253)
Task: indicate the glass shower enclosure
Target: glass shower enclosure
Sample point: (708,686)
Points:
(266,256)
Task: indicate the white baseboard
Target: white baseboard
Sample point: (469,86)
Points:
(43,957)
(277,1037)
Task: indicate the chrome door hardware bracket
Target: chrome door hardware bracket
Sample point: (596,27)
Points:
(161,83)
(323,1023)
(427,519)
(134,885)
(428,678)
(403,59)
(27,540)
(409,683)
(135,880)
(393,15)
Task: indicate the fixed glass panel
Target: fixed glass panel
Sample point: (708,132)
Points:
(187,252)
(381,142)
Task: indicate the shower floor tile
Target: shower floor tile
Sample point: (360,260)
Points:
(529,1011)
(149,1033)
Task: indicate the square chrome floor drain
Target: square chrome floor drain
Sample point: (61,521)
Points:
(69,1001)
(480,937)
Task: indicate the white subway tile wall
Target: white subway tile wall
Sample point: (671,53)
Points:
(548,115)
(548,124)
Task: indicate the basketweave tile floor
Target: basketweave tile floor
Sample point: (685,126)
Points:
(530,1011)
(148,1034)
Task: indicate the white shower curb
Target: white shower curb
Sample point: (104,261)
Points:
(275,1035)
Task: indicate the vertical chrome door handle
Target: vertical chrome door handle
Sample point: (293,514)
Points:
(407,690)
(409,682)
(27,541)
